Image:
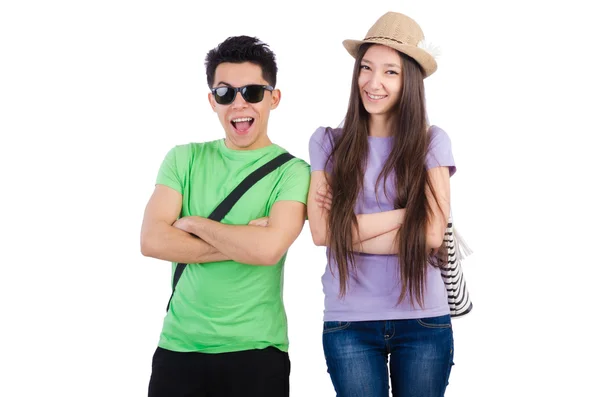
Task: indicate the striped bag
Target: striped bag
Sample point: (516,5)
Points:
(456,286)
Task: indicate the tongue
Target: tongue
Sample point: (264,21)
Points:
(243,126)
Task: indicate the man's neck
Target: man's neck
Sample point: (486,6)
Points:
(259,144)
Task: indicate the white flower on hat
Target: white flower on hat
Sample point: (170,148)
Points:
(432,49)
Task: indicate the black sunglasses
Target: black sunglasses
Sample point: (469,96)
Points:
(252,93)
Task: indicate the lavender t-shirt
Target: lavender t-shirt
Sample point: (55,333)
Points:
(374,288)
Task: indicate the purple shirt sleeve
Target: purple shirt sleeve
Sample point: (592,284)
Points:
(440,151)
(319,148)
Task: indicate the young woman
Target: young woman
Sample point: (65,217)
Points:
(380,200)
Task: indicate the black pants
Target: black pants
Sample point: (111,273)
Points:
(264,373)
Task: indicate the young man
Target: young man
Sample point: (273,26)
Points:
(225,332)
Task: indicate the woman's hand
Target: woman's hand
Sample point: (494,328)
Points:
(324,197)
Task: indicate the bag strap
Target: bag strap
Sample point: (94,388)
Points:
(226,205)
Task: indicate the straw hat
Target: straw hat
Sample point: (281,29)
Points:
(401,33)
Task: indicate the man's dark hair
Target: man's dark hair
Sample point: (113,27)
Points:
(239,49)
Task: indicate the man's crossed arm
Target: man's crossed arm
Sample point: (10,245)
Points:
(195,239)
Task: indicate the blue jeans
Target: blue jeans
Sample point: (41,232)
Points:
(420,353)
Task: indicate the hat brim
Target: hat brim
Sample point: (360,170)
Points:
(422,57)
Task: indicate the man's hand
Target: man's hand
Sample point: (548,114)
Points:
(184,224)
(264,221)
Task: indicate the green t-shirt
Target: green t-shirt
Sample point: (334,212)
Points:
(228,306)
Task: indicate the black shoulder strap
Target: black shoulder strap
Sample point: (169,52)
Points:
(226,205)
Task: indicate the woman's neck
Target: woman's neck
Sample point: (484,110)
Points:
(380,126)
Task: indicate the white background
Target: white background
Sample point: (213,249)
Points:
(94,93)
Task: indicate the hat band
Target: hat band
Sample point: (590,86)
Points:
(384,37)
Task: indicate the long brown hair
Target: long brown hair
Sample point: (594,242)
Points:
(406,163)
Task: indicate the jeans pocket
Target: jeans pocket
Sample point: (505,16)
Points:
(435,322)
(332,326)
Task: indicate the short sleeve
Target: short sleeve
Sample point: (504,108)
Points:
(169,173)
(440,151)
(319,148)
(295,183)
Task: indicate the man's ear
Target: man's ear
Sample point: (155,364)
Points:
(211,100)
(275,98)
